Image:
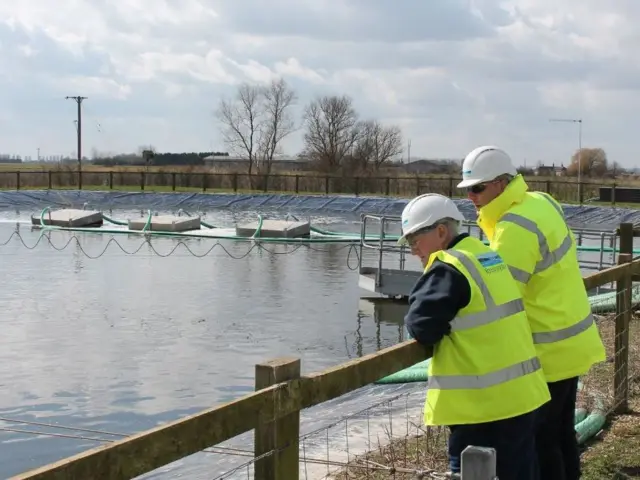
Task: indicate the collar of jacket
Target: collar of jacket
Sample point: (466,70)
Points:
(489,215)
(456,240)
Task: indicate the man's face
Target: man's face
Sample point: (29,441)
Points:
(426,242)
(483,193)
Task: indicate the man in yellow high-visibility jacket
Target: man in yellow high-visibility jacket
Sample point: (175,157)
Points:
(485,380)
(529,232)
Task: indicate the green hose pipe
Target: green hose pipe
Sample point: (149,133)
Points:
(256,234)
(114,221)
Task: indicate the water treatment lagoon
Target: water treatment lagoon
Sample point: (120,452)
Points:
(125,341)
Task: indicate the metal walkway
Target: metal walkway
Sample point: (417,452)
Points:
(391,271)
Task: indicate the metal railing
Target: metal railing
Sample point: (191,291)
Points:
(605,243)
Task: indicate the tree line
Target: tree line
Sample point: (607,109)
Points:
(258,118)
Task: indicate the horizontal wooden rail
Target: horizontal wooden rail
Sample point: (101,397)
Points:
(612,274)
(151,449)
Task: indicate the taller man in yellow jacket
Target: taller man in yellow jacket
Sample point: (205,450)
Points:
(529,232)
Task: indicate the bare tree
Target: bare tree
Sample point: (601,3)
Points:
(332,130)
(377,144)
(256,121)
(278,122)
(241,120)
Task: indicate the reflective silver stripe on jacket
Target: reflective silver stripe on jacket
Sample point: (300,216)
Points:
(558,335)
(492,311)
(465,382)
(548,258)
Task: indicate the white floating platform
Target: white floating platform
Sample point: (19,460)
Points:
(166,223)
(70,218)
(275,229)
(388,281)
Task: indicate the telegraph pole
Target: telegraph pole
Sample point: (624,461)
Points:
(79,100)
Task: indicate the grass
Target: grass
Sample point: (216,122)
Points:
(426,450)
(613,454)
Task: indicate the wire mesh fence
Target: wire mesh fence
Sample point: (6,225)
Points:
(621,370)
(385,439)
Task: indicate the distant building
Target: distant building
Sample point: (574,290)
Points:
(550,171)
(242,163)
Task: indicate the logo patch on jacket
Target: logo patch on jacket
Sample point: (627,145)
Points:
(491,262)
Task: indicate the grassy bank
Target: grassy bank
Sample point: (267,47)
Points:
(613,454)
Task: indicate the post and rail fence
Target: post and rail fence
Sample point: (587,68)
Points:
(309,183)
(281,392)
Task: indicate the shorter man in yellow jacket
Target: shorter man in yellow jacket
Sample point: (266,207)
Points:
(485,380)
(529,232)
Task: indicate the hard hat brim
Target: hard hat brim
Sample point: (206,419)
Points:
(469,183)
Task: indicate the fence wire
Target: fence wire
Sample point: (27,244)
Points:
(612,388)
(383,440)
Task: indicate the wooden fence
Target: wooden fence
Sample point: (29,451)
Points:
(399,186)
(281,392)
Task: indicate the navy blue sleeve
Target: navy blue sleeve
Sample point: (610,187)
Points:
(434,301)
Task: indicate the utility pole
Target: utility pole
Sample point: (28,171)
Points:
(579,122)
(409,151)
(79,100)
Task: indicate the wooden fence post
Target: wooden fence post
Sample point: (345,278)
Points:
(624,286)
(281,435)
(478,463)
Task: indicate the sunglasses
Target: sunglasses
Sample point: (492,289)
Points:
(476,189)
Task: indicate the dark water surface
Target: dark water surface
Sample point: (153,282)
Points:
(122,343)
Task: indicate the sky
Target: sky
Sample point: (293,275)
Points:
(453,74)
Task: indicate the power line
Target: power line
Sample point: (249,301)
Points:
(78,100)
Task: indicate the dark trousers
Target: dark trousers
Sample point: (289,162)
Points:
(556,441)
(514,442)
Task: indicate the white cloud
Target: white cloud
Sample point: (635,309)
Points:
(452,73)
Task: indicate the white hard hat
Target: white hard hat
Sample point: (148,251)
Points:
(424,211)
(484,164)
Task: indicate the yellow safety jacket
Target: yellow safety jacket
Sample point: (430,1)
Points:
(529,231)
(486,369)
